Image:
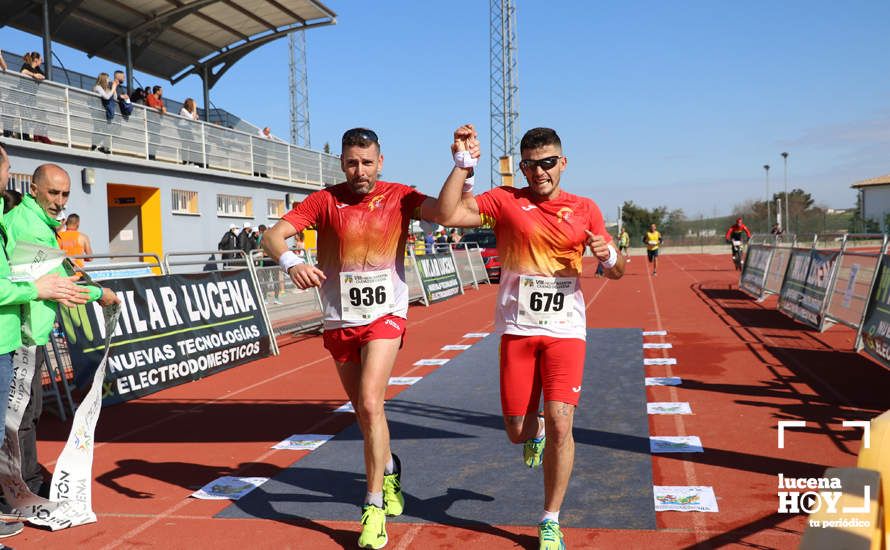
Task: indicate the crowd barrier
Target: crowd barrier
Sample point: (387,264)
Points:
(836,280)
(285,309)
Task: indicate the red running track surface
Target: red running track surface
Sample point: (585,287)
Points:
(744,368)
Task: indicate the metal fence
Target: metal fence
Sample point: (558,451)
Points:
(70,117)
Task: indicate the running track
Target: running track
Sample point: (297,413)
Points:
(744,367)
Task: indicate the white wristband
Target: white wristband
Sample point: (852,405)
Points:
(288,260)
(463,159)
(613,259)
(468,184)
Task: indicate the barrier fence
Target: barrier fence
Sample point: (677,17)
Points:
(843,280)
(192,299)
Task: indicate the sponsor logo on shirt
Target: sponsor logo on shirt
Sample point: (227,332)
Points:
(576,389)
(528,207)
(375,203)
(564,214)
(338,205)
(392,323)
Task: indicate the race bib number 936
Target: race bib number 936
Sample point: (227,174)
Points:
(366,295)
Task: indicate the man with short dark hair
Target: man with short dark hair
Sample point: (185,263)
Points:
(73,242)
(154,100)
(541,232)
(34,221)
(362,228)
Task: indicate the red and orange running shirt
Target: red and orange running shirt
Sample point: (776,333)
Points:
(361,249)
(540,246)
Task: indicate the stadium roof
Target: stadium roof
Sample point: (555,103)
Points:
(170,39)
(880,180)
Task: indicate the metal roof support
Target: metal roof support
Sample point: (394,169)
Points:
(47,41)
(229,56)
(205,83)
(128,48)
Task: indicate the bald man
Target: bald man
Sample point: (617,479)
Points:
(34,221)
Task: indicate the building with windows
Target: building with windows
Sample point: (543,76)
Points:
(874,199)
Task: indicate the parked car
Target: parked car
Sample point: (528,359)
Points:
(487,242)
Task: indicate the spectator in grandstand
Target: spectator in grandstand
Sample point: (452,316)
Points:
(454,237)
(34,221)
(3,62)
(108,93)
(31,66)
(139,95)
(265,133)
(73,242)
(246,242)
(154,100)
(777,230)
(189,109)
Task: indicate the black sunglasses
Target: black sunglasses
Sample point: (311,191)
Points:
(545,163)
(360,135)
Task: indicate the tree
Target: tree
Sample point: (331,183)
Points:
(638,219)
(327,148)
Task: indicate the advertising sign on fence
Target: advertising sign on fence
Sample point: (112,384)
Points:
(754,273)
(876,327)
(172,329)
(805,286)
(438,275)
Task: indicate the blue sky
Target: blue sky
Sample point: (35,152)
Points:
(663,103)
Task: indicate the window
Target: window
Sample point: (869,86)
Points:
(185,202)
(233,205)
(275,208)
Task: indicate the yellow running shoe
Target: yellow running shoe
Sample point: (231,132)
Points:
(550,536)
(533,451)
(393,500)
(373,528)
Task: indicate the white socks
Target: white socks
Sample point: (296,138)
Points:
(374,498)
(552,516)
(390,466)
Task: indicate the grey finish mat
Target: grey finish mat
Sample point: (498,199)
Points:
(460,469)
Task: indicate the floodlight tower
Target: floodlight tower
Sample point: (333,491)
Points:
(299,89)
(504,92)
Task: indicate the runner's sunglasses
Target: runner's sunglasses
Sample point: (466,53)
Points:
(360,135)
(545,163)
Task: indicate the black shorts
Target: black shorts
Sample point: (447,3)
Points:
(652,254)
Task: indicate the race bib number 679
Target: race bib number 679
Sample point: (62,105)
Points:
(546,301)
(366,295)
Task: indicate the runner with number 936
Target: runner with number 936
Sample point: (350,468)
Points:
(367,296)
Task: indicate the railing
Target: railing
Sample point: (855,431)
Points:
(50,112)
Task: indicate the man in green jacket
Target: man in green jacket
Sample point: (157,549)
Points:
(14,296)
(34,221)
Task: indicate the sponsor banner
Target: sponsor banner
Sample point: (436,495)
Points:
(438,276)
(173,329)
(663,380)
(757,260)
(675,444)
(659,361)
(303,442)
(345,408)
(805,286)
(229,488)
(404,380)
(430,362)
(876,327)
(685,499)
(668,408)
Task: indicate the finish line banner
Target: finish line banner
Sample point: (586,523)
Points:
(438,276)
(173,329)
(876,327)
(805,286)
(754,272)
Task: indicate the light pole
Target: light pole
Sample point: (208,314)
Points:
(787,219)
(766,168)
